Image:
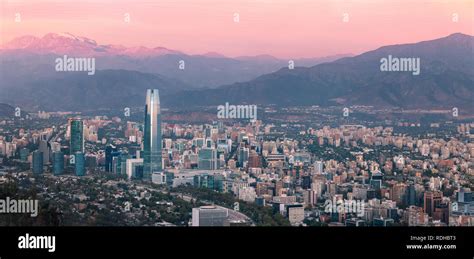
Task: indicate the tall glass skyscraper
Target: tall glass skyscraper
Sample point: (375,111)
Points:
(109,154)
(37,162)
(58,163)
(79,166)
(152,135)
(44,148)
(77,136)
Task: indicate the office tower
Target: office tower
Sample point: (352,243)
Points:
(464,195)
(318,167)
(411,195)
(219,182)
(415,216)
(119,163)
(309,197)
(210,216)
(109,154)
(464,204)
(58,163)
(376,180)
(214,182)
(24,152)
(152,135)
(220,127)
(43,148)
(91,161)
(198,142)
(243,155)
(79,165)
(37,162)
(295,213)
(398,193)
(260,201)
(207,159)
(393,213)
(77,136)
(441,212)
(209,143)
(431,200)
(119,160)
(254,160)
(134,166)
(208,131)
(306,182)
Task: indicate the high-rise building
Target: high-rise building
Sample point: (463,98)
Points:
(464,195)
(295,213)
(431,200)
(109,151)
(79,165)
(254,160)
(441,212)
(152,135)
(207,159)
(210,216)
(58,163)
(376,180)
(77,136)
(37,162)
(243,155)
(415,216)
(318,167)
(464,204)
(198,142)
(411,195)
(44,148)
(134,166)
(24,152)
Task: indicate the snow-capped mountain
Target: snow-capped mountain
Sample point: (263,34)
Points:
(34,57)
(66,43)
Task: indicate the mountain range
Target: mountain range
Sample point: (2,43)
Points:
(6,110)
(28,78)
(446,80)
(33,54)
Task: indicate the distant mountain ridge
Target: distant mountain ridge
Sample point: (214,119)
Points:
(199,71)
(66,43)
(107,89)
(446,80)
(6,110)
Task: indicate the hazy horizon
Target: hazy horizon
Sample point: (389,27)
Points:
(280,28)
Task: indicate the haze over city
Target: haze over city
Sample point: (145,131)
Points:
(242,113)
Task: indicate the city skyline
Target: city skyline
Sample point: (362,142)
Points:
(310,178)
(190,121)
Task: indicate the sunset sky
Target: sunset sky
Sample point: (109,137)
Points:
(282,28)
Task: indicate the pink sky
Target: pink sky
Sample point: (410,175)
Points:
(282,28)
